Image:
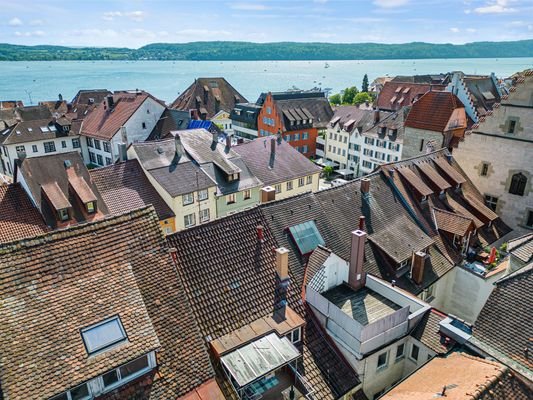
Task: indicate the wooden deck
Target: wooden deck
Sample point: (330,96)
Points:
(364,305)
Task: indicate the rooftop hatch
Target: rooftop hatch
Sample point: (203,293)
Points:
(306,236)
(103,334)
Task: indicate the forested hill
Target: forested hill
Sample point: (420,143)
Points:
(206,51)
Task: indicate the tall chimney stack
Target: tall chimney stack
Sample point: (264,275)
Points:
(362,223)
(260,236)
(356,274)
(215,137)
(228,141)
(282,282)
(273,146)
(282,263)
(376,116)
(365,185)
(417,269)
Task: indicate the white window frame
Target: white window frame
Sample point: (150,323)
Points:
(192,220)
(203,195)
(187,198)
(278,188)
(204,216)
(230,199)
(301,182)
(295,336)
(289,185)
(247,194)
(309,179)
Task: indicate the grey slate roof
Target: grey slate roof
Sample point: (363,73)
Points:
(318,108)
(181,178)
(170,120)
(504,327)
(522,247)
(344,114)
(287,163)
(30,131)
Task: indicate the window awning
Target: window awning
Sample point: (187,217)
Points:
(259,358)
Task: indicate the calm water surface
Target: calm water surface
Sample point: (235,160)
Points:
(44,80)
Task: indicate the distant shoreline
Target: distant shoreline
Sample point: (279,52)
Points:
(283,51)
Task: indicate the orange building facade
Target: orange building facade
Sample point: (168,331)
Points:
(295,126)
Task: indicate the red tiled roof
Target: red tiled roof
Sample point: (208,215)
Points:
(56,284)
(451,222)
(433,111)
(104,124)
(18,217)
(396,95)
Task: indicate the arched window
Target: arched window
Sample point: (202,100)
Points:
(518,184)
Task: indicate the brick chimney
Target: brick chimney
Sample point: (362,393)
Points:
(376,116)
(365,185)
(417,269)
(228,141)
(356,274)
(362,223)
(282,283)
(260,234)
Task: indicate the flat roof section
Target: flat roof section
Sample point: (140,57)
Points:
(364,305)
(259,358)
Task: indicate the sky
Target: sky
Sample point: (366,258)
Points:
(134,23)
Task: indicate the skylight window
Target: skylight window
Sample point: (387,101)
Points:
(52,128)
(44,129)
(103,335)
(306,236)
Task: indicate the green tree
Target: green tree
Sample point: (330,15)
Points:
(364,86)
(349,95)
(335,99)
(362,97)
(328,170)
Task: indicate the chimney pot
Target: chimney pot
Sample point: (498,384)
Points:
(365,185)
(357,275)
(215,137)
(362,223)
(228,141)
(260,237)
(418,264)
(282,263)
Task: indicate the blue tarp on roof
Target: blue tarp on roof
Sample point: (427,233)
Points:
(199,124)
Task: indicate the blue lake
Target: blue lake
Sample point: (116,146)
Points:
(44,80)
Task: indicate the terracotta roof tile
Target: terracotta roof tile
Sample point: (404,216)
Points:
(465,377)
(433,111)
(127,272)
(220,95)
(18,216)
(103,123)
(452,223)
(389,92)
(125,187)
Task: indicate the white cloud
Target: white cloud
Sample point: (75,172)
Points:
(390,3)
(248,7)
(30,34)
(495,7)
(455,30)
(15,22)
(36,22)
(133,15)
(471,30)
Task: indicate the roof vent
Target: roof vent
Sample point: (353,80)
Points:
(67,164)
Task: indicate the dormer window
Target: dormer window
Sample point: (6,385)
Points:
(103,335)
(63,214)
(91,207)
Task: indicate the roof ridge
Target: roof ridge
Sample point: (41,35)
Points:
(451,213)
(75,230)
(522,271)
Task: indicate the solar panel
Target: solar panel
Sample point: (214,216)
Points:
(306,236)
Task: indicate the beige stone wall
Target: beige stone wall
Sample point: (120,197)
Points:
(505,153)
(414,137)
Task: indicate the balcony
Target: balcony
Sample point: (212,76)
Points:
(278,386)
(366,319)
